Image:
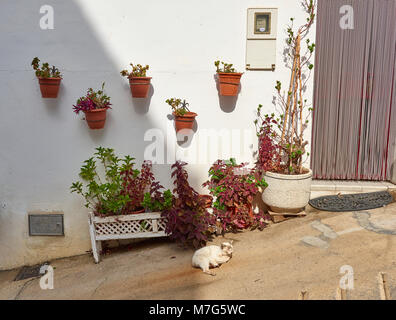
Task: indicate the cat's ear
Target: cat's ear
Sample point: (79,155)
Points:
(231,241)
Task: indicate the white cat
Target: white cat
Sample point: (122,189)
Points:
(212,256)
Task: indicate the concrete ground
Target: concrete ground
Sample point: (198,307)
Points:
(277,263)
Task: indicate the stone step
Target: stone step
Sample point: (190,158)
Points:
(332,187)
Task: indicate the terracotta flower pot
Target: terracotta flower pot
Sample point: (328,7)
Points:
(139,86)
(96,118)
(49,87)
(229,83)
(185,122)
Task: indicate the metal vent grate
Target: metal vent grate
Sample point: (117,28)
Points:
(46,225)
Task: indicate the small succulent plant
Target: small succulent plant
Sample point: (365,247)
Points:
(137,71)
(226,67)
(179,106)
(45,71)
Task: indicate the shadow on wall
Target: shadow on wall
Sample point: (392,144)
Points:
(227,103)
(56,140)
(140,105)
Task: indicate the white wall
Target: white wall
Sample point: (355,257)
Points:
(43,143)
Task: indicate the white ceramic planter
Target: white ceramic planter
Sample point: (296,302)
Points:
(287,193)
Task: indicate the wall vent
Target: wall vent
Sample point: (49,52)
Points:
(46,225)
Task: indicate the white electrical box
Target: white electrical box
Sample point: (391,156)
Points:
(261,38)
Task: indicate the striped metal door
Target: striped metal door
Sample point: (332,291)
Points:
(354,118)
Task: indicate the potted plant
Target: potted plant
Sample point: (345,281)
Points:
(229,79)
(234,187)
(188,221)
(114,191)
(281,140)
(94,105)
(138,82)
(49,78)
(184,119)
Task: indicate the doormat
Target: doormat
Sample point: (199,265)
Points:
(352,202)
(30,272)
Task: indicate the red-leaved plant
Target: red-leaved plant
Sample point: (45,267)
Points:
(269,151)
(92,100)
(235,186)
(294,109)
(136,183)
(188,221)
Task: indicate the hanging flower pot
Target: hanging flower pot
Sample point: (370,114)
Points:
(94,105)
(138,82)
(49,87)
(229,79)
(96,118)
(229,83)
(184,118)
(185,121)
(139,86)
(49,78)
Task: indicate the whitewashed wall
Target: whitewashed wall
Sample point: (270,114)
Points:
(43,143)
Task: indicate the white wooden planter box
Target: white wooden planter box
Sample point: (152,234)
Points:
(133,226)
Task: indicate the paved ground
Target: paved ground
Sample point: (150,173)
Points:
(277,263)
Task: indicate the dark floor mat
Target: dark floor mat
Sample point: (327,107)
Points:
(352,202)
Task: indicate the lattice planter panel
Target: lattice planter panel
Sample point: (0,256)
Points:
(133,226)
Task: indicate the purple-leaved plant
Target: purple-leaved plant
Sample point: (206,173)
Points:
(93,100)
(188,221)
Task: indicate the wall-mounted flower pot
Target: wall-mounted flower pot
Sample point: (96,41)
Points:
(96,118)
(229,83)
(185,122)
(139,86)
(49,87)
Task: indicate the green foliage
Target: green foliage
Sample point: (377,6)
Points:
(226,67)
(137,71)
(155,204)
(45,71)
(104,194)
(179,106)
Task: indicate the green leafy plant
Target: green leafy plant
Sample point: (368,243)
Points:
(226,67)
(179,106)
(45,71)
(103,192)
(137,71)
(111,185)
(156,201)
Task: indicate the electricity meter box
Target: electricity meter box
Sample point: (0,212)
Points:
(261,38)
